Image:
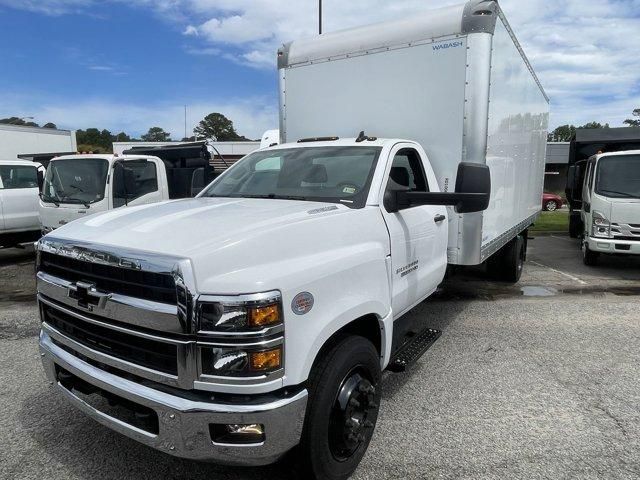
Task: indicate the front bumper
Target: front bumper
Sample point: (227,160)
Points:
(183,424)
(611,245)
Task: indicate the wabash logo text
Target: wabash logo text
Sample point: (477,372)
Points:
(442,46)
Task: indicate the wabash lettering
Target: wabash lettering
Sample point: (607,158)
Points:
(441,46)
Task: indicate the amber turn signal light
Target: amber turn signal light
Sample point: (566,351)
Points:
(266,361)
(263,316)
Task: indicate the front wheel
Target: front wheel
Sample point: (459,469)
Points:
(344,398)
(589,257)
(551,206)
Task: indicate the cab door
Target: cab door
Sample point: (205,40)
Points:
(418,234)
(145,189)
(19,197)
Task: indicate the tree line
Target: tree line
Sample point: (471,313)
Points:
(214,126)
(564,133)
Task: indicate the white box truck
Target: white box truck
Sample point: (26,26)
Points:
(258,317)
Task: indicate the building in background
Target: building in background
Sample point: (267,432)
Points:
(555,177)
(231,151)
(35,143)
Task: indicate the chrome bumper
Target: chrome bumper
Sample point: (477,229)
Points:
(184,424)
(611,245)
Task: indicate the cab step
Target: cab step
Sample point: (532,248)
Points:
(411,351)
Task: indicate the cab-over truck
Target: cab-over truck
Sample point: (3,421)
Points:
(258,317)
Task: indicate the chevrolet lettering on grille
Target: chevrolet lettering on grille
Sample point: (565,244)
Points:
(87,295)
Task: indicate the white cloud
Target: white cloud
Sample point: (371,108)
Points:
(101,68)
(190,30)
(48,7)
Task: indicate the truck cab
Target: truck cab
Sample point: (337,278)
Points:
(79,185)
(611,205)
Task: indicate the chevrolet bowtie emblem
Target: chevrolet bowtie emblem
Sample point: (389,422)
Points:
(87,295)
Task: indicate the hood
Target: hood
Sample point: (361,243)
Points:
(625,211)
(227,239)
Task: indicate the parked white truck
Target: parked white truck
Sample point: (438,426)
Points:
(79,185)
(19,187)
(611,205)
(258,317)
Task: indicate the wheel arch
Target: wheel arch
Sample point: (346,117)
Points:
(378,330)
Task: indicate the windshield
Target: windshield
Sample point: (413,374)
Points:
(78,180)
(619,177)
(324,174)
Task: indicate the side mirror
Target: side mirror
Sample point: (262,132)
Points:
(473,186)
(473,192)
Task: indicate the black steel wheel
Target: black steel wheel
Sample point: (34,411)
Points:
(342,410)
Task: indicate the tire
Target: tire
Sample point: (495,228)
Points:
(507,264)
(344,398)
(575,226)
(551,206)
(589,257)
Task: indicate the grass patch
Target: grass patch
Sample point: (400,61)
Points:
(557,221)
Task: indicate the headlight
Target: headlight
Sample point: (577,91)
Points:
(240,362)
(249,313)
(241,336)
(601,225)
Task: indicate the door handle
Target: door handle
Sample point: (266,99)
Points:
(439,218)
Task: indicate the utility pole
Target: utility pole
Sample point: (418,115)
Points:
(185,121)
(320,16)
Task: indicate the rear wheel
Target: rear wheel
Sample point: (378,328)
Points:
(344,398)
(551,206)
(507,264)
(589,257)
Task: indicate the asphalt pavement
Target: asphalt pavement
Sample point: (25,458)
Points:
(538,380)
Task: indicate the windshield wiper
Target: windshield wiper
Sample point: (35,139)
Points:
(51,200)
(623,194)
(273,196)
(67,199)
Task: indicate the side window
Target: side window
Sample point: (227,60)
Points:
(407,172)
(18,176)
(145,180)
(589,175)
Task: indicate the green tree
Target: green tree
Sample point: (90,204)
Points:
(50,125)
(122,137)
(156,134)
(634,122)
(564,133)
(219,127)
(594,125)
(18,121)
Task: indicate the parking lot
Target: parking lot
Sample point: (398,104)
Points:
(538,380)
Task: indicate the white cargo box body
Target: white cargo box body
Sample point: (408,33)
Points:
(456,81)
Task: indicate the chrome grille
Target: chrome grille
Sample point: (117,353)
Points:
(156,287)
(158,356)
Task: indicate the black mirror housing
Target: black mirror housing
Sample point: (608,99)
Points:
(473,192)
(473,183)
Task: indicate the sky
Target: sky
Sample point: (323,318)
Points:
(127,65)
